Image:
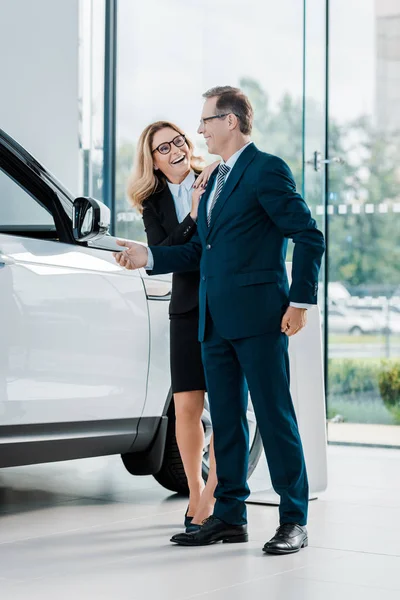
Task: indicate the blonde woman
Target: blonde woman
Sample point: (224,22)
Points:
(166,186)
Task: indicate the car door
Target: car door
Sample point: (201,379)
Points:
(74,326)
(337,321)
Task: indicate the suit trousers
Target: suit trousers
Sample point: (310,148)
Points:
(263,362)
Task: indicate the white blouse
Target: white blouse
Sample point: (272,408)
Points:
(182,195)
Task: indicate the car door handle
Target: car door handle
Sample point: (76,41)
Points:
(157,290)
(6,260)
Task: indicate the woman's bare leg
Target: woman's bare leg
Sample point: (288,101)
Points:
(206,505)
(190,438)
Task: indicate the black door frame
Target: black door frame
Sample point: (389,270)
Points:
(110,99)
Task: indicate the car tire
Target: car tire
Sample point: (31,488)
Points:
(356,330)
(172,474)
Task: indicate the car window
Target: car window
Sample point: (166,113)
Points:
(20,211)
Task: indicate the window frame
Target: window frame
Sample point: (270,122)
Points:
(25,174)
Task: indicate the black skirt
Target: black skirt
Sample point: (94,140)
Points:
(187,373)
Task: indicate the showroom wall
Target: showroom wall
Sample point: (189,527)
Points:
(39,80)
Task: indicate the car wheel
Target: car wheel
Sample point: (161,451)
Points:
(172,474)
(356,330)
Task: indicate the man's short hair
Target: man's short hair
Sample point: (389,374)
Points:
(233,100)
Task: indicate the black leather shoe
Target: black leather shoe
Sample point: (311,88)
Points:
(213,530)
(289,538)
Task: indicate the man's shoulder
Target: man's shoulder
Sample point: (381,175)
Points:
(267,166)
(271,161)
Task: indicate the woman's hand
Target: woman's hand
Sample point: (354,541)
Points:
(197,194)
(199,187)
(202,180)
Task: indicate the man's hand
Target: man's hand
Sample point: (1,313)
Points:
(134,257)
(293,320)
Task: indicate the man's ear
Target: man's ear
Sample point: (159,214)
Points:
(232,121)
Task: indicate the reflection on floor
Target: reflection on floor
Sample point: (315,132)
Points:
(86,529)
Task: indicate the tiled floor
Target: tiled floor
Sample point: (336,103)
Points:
(86,529)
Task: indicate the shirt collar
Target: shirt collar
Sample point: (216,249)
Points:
(187,184)
(232,160)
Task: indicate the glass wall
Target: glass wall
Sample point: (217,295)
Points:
(169,53)
(91,95)
(364,211)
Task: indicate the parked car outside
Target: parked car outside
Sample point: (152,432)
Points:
(345,321)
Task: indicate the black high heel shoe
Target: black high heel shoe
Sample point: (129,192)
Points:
(192,527)
(189,526)
(188,520)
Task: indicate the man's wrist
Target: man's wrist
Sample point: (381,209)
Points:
(300,305)
(150,260)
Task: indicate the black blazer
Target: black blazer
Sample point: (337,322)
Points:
(163,229)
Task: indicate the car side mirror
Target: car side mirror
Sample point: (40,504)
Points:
(90,219)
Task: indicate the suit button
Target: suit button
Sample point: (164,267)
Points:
(208,247)
(203,278)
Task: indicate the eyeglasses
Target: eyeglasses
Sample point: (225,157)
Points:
(205,119)
(165,147)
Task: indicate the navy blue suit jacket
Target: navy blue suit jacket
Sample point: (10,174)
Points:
(242,254)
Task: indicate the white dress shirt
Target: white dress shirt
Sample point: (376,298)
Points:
(182,195)
(229,163)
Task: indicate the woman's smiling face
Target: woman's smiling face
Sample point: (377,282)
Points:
(176,163)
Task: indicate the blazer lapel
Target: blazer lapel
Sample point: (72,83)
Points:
(202,216)
(167,211)
(234,177)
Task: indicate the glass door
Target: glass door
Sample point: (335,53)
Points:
(314,124)
(364,229)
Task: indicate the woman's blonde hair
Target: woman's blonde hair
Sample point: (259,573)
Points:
(144,180)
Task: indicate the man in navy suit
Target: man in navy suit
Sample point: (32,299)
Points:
(247,312)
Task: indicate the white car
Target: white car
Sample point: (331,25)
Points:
(84,344)
(343,320)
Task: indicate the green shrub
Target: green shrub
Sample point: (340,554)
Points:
(389,387)
(352,376)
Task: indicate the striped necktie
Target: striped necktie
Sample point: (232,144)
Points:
(223,171)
